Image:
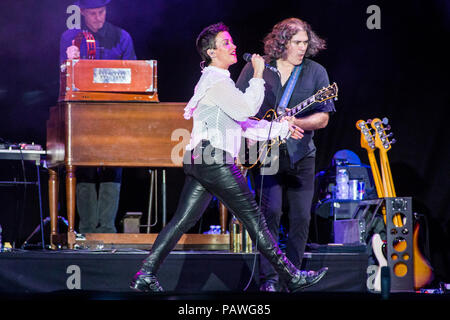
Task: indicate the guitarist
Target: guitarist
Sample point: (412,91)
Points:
(286,48)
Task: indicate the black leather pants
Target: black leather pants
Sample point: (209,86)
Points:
(224,181)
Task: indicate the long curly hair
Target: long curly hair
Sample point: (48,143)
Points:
(275,43)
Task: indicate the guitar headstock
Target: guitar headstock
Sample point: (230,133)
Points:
(381,138)
(327,93)
(367,140)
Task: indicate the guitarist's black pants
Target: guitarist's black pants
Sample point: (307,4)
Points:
(291,188)
(224,180)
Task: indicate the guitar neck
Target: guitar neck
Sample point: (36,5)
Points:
(298,108)
(376,174)
(387,175)
(379,185)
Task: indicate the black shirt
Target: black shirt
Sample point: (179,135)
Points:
(313,77)
(112,43)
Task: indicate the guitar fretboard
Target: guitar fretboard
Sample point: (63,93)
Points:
(298,108)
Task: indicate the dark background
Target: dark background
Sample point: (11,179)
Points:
(399,72)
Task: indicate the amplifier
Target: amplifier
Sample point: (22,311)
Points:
(349,231)
(108,80)
(337,209)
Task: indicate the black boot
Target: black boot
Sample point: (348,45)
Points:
(304,279)
(268,287)
(145,282)
(296,279)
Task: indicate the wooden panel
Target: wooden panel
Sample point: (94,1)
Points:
(108,80)
(146,241)
(117,134)
(56,136)
(149,238)
(111,96)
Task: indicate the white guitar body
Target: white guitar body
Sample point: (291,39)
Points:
(377,247)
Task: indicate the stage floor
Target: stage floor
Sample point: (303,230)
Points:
(218,280)
(46,271)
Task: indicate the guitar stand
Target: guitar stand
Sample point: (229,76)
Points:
(399,243)
(399,237)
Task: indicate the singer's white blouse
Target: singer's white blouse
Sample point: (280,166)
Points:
(221,112)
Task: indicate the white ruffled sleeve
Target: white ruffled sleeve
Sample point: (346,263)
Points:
(210,77)
(237,105)
(259,129)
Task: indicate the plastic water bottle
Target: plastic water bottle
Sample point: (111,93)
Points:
(213,229)
(216,229)
(342,188)
(210,231)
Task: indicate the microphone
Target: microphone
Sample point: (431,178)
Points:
(248,57)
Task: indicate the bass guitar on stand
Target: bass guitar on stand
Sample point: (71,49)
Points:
(385,188)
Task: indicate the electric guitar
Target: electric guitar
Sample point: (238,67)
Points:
(378,246)
(262,150)
(379,249)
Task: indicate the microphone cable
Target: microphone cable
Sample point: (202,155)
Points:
(262,185)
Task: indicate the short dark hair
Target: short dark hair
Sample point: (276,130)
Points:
(207,40)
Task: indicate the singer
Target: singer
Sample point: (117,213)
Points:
(220,114)
(287,47)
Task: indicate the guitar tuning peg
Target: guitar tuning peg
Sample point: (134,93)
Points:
(390,135)
(388,127)
(385,121)
(393,141)
(369,121)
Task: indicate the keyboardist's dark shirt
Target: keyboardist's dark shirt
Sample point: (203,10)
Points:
(112,43)
(313,77)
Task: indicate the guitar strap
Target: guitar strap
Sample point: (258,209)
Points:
(289,89)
